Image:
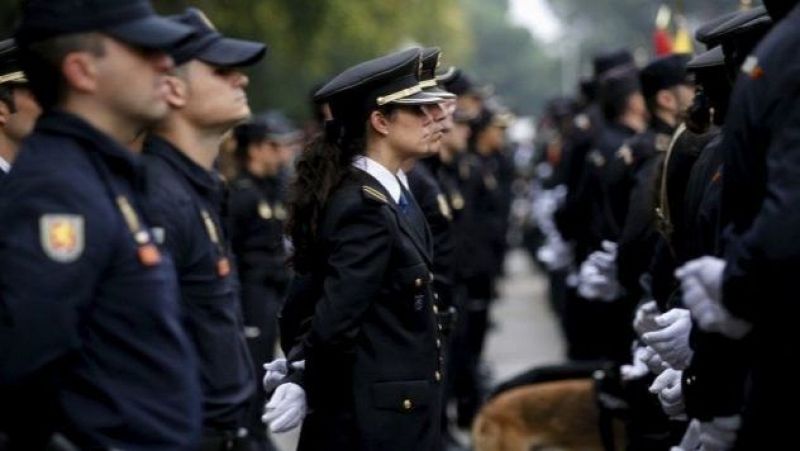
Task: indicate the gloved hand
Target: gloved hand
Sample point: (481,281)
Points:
(671,340)
(691,439)
(638,368)
(606,259)
(555,253)
(286,409)
(653,361)
(720,433)
(596,282)
(644,321)
(277,370)
(701,281)
(670,394)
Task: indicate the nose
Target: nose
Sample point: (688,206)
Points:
(240,80)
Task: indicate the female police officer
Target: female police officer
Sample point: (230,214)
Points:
(372,347)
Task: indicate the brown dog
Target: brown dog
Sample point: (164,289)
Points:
(560,414)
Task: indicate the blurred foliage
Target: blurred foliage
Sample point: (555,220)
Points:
(310,40)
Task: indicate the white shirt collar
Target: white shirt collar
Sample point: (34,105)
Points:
(403,179)
(383,175)
(5,166)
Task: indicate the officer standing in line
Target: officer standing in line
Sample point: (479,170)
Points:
(257,209)
(207,99)
(668,93)
(18,107)
(374,353)
(92,343)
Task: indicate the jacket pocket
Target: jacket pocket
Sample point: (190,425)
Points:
(401,396)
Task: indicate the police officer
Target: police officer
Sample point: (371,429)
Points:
(18,107)
(92,342)
(668,93)
(373,353)
(207,99)
(257,209)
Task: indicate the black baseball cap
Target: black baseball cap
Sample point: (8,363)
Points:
(133,22)
(208,45)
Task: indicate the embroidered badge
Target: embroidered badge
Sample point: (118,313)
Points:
(444,208)
(626,154)
(62,236)
(751,68)
(264,210)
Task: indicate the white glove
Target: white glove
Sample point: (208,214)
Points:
(277,370)
(555,253)
(691,439)
(286,409)
(701,281)
(720,433)
(671,340)
(606,259)
(638,369)
(670,394)
(644,321)
(598,283)
(653,361)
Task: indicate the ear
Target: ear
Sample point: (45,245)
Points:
(5,114)
(379,122)
(80,71)
(666,99)
(177,92)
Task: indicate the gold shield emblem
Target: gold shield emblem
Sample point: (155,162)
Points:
(264,210)
(62,236)
(444,208)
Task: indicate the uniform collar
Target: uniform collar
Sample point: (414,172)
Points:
(63,123)
(199,177)
(5,166)
(381,174)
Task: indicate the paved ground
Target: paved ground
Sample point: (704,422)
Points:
(525,333)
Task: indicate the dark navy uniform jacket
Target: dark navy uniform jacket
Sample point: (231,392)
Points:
(257,215)
(761,243)
(185,202)
(374,347)
(85,311)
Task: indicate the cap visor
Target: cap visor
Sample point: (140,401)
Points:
(420,98)
(229,52)
(439,92)
(152,32)
(712,58)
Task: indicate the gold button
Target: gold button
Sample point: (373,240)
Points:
(418,283)
(438,376)
(407,404)
(438,343)
(430,275)
(436,296)
(435,309)
(439,326)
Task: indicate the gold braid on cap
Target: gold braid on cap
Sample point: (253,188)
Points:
(383,100)
(13,76)
(424,84)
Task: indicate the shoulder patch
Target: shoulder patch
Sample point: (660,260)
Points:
(662,142)
(582,122)
(62,236)
(374,194)
(444,207)
(597,158)
(626,154)
(752,68)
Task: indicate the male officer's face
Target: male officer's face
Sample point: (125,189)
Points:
(456,139)
(215,96)
(20,123)
(131,81)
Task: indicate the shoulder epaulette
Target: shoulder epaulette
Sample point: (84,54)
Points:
(372,193)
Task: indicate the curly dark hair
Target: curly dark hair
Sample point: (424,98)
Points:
(321,168)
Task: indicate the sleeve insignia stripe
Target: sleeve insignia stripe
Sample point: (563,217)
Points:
(62,236)
(374,194)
